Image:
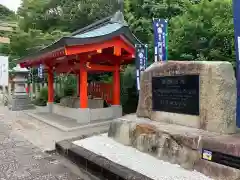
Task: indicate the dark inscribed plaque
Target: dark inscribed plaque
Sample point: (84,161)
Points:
(177,94)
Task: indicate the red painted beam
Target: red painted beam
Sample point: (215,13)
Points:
(96,67)
(117,42)
(109,58)
(78,49)
(66,68)
(46,58)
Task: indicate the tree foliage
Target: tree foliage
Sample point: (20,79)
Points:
(203,32)
(65,15)
(23,43)
(6,13)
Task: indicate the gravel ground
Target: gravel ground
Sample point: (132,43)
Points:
(136,160)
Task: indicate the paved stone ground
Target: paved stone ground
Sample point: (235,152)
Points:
(39,133)
(21,160)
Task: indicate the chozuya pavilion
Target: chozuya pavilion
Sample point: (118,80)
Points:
(100,47)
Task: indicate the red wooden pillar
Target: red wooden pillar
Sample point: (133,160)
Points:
(50,85)
(116,85)
(83,85)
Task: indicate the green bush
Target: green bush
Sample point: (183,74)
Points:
(44,94)
(69,85)
(40,102)
(129,94)
(57,98)
(69,91)
(42,98)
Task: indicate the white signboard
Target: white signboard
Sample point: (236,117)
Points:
(4,77)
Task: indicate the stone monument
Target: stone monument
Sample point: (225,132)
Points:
(195,94)
(186,115)
(20,99)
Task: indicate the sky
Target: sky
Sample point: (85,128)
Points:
(11,4)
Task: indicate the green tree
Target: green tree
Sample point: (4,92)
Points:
(203,32)
(23,43)
(6,13)
(140,13)
(64,15)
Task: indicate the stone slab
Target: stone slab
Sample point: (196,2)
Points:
(88,115)
(67,124)
(217,95)
(218,171)
(97,165)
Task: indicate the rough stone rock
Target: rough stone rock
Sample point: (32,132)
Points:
(217,95)
(146,143)
(120,131)
(148,138)
(178,144)
(176,152)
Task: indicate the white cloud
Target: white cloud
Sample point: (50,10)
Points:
(11,4)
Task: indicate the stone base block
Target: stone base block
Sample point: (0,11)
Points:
(74,102)
(21,102)
(217,171)
(177,144)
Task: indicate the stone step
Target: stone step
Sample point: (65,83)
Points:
(97,165)
(68,125)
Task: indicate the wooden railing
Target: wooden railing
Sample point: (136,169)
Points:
(101,90)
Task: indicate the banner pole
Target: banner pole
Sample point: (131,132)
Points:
(166,41)
(236,21)
(146,46)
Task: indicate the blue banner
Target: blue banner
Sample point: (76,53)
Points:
(40,71)
(236,16)
(141,61)
(160,39)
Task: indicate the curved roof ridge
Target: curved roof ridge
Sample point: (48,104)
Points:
(118,17)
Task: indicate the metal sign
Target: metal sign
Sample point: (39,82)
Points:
(40,71)
(160,39)
(236,15)
(141,61)
(167,93)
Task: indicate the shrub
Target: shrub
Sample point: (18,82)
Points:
(57,98)
(42,98)
(44,94)
(40,102)
(69,90)
(129,94)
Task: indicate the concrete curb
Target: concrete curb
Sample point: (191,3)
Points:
(96,164)
(63,128)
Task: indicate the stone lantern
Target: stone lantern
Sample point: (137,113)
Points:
(20,99)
